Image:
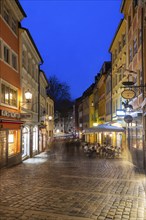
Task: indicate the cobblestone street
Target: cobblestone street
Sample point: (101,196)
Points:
(64,184)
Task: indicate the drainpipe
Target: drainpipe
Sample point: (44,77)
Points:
(39,102)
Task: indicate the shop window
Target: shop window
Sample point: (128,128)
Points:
(35,138)
(25,141)
(9,96)
(6,54)
(13,142)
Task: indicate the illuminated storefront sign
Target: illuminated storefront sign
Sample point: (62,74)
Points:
(9,114)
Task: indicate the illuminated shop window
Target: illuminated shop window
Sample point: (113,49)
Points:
(35,138)
(13,142)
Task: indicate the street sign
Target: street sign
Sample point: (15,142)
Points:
(128,118)
(128,94)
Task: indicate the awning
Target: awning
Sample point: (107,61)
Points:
(104,128)
(10,121)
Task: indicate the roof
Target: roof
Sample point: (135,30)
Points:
(104,128)
(20,7)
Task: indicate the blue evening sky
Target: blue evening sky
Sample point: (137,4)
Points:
(73,37)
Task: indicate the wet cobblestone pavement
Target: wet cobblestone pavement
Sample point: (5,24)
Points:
(64,184)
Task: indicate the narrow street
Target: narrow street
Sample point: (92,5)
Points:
(64,184)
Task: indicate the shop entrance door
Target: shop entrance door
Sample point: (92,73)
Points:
(3,148)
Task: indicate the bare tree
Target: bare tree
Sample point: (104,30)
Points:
(60,92)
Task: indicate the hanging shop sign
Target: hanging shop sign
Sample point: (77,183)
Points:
(128,118)
(25,116)
(128,94)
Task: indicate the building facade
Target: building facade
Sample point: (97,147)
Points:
(118,52)
(30,59)
(133,14)
(43,111)
(11,14)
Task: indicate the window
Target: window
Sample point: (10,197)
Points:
(14,61)
(14,25)
(139,37)
(36,74)
(124,40)
(6,15)
(33,70)
(134,46)
(130,54)
(120,47)
(115,54)
(135,4)
(6,54)
(129,22)
(29,66)
(9,95)
(24,58)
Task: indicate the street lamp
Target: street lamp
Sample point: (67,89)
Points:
(28,96)
(50,117)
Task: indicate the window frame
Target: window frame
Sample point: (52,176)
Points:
(6,59)
(7,88)
(13,54)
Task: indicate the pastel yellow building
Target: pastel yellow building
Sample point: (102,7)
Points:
(118,52)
